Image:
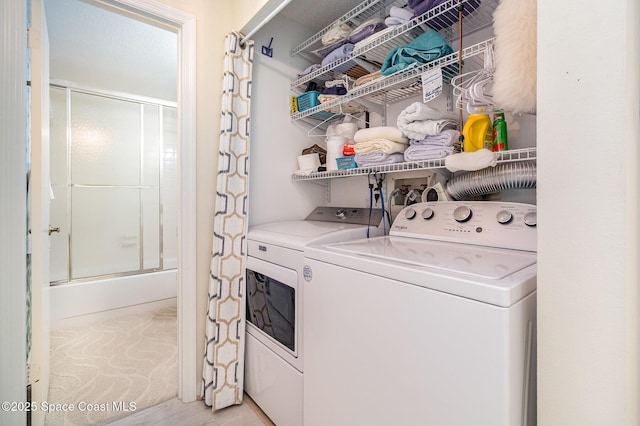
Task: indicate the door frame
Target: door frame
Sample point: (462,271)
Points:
(185,26)
(13,209)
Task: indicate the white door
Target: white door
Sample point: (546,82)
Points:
(40,199)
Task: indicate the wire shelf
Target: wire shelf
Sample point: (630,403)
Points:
(505,157)
(359,14)
(375,49)
(405,84)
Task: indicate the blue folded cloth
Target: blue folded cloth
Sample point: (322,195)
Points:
(340,52)
(335,90)
(425,48)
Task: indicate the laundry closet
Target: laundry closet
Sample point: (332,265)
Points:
(309,84)
(278,137)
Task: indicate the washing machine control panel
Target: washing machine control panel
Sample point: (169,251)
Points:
(487,223)
(354,215)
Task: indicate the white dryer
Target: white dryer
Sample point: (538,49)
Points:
(273,355)
(432,325)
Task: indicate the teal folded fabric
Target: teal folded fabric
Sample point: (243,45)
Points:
(425,48)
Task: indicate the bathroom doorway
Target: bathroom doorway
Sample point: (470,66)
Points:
(183,25)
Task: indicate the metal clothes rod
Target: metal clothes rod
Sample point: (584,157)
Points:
(253,28)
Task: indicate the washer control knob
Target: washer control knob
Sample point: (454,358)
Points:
(341,213)
(503,217)
(531,219)
(410,213)
(462,214)
(427,213)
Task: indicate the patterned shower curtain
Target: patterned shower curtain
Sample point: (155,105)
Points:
(223,371)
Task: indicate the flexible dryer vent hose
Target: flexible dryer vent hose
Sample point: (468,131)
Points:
(517,175)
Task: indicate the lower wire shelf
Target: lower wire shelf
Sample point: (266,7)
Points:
(436,164)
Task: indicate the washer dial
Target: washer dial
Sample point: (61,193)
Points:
(462,214)
(427,213)
(503,217)
(531,219)
(410,213)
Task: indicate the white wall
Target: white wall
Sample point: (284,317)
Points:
(276,141)
(588,186)
(244,10)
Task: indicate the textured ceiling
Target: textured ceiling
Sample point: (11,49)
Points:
(95,47)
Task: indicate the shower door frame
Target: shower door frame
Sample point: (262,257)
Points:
(143,101)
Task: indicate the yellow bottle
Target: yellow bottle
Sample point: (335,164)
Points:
(478,133)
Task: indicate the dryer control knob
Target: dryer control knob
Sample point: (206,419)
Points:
(427,213)
(462,214)
(410,213)
(503,217)
(531,219)
(341,213)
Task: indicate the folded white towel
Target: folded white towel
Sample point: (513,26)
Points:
(418,111)
(380,144)
(419,130)
(419,120)
(377,158)
(400,12)
(382,132)
(418,152)
(470,161)
(447,137)
(393,21)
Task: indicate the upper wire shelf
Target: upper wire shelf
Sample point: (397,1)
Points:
(362,12)
(405,84)
(505,157)
(374,50)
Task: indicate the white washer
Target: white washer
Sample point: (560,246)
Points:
(431,325)
(273,354)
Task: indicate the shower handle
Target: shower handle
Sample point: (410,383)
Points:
(52,229)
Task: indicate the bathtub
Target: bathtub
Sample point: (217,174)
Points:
(76,304)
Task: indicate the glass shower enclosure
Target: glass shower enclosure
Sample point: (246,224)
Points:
(113,185)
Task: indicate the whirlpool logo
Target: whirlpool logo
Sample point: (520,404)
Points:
(307,273)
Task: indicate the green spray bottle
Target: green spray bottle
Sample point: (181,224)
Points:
(500,140)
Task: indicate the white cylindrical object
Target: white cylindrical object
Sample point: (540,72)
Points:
(331,160)
(309,161)
(335,145)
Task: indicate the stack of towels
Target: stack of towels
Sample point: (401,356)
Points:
(418,120)
(379,145)
(338,42)
(431,147)
(426,48)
